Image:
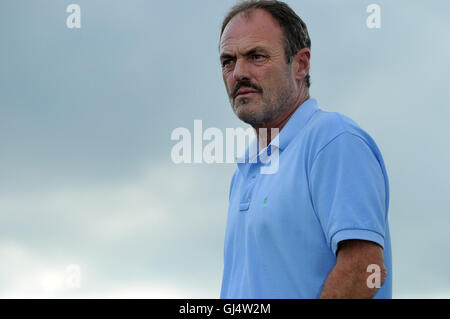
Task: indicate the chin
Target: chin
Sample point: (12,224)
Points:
(249,117)
(250,112)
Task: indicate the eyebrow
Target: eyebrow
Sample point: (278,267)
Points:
(256,49)
(225,56)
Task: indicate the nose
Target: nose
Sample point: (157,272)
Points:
(241,70)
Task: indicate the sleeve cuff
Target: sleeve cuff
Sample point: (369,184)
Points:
(363,234)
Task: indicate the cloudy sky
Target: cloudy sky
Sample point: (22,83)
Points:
(86,115)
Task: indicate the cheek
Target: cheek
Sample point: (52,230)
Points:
(229,83)
(267,78)
(276,81)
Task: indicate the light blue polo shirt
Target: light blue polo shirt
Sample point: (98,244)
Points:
(283,228)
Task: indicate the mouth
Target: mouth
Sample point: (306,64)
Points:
(243,93)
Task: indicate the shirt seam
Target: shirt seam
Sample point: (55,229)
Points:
(328,143)
(323,147)
(312,167)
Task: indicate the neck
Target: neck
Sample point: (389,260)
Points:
(266,133)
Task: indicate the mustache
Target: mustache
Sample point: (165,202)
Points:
(242,84)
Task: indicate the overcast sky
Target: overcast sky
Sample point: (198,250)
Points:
(86,115)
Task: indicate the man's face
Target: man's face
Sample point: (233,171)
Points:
(259,82)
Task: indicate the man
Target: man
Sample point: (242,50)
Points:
(317,227)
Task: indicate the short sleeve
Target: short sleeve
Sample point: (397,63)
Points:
(348,191)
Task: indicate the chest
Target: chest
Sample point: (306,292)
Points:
(268,205)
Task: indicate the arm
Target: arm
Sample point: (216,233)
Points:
(349,277)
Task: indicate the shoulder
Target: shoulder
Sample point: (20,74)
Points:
(327,128)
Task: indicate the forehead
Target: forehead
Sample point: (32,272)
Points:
(254,28)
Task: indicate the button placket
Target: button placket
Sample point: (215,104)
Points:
(247,196)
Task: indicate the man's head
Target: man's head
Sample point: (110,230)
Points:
(264,52)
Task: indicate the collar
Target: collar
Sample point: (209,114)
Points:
(297,122)
(292,128)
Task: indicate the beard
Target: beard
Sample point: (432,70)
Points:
(264,107)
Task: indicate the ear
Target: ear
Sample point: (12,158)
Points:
(301,63)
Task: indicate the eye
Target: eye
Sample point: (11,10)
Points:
(226,63)
(258,57)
